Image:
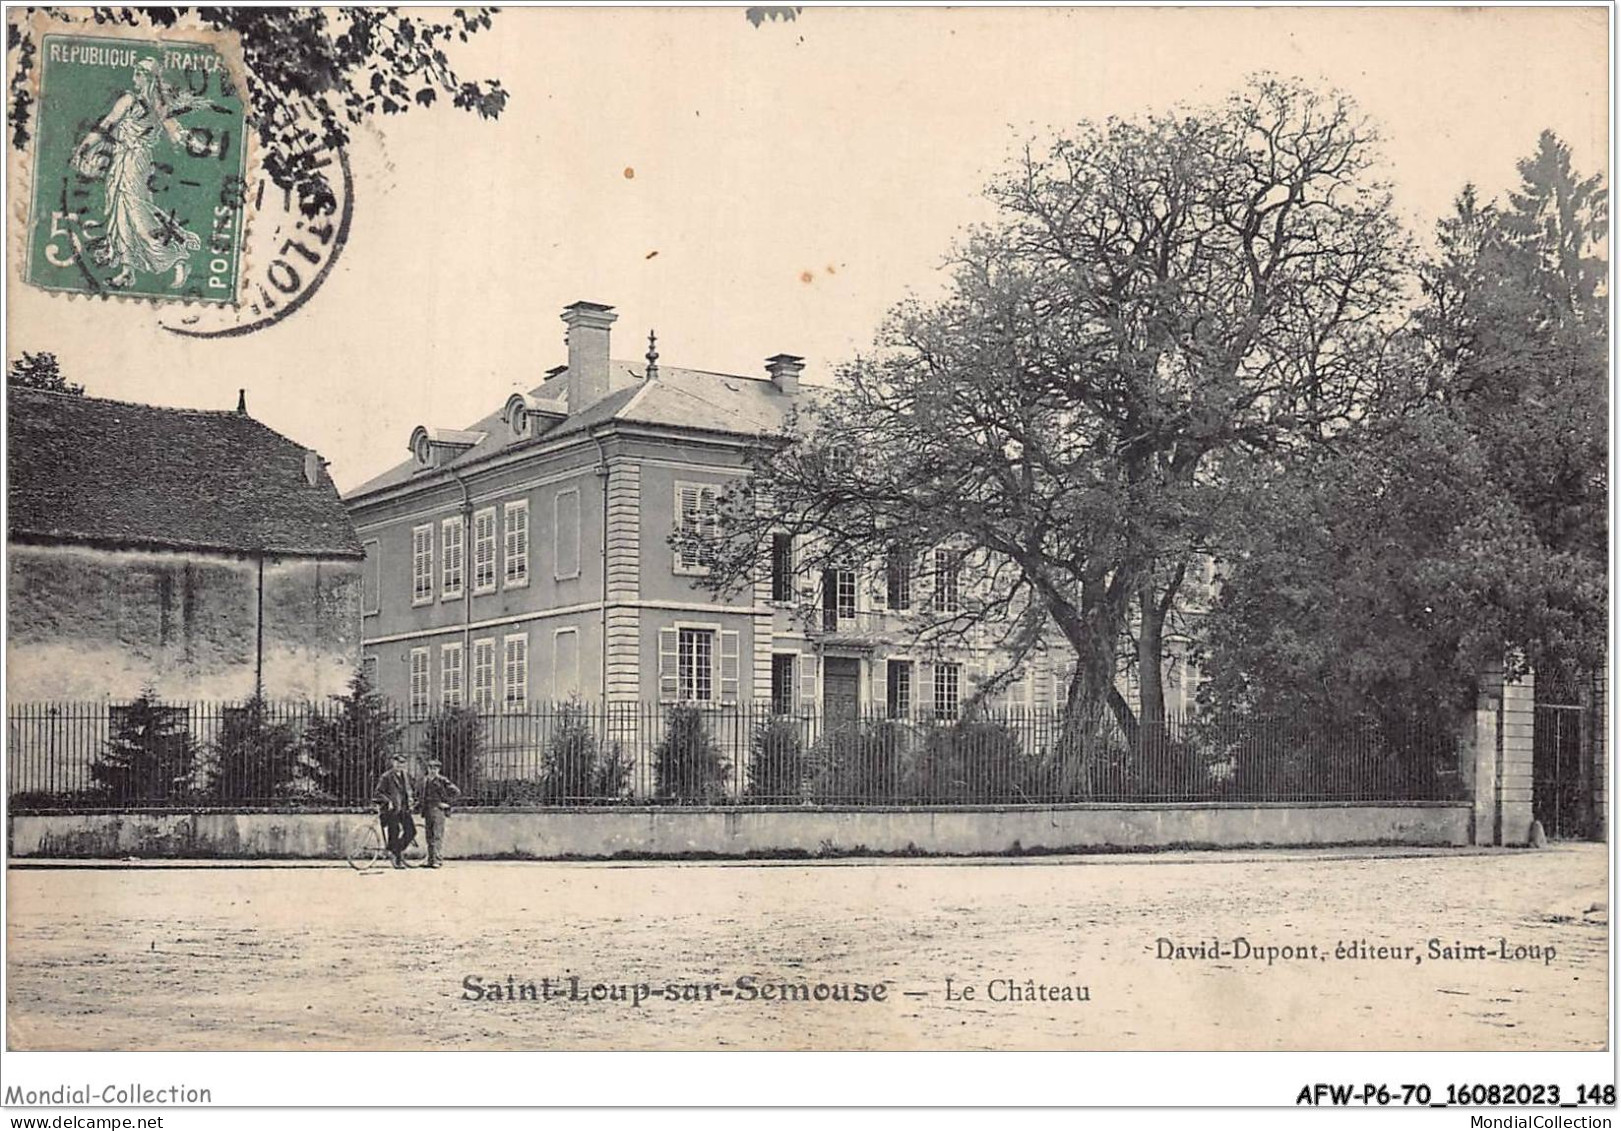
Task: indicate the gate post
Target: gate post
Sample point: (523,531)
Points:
(1495,758)
(1477,757)
(1598,729)
(1517,774)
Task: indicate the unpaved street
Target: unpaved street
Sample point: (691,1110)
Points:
(317,956)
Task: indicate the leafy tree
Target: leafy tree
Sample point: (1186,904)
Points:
(864,764)
(1468,519)
(257,757)
(577,769)
(313,74)
(1159,302)
(40,371)
(350,747)
(150,755)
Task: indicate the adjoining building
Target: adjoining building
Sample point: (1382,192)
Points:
(525,558)
(197,553)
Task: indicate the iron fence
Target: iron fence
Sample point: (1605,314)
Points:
(304,755)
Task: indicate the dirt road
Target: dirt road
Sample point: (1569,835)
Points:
(1282,950)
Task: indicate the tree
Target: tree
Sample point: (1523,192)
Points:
(150,755)
(40,371)
(1467,520)
(350,748)
(1158,302)
(455,736)
(313,74)
(257,757)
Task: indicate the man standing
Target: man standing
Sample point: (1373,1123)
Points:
(394,804)
(438,794)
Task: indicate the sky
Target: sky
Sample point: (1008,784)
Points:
(751,191)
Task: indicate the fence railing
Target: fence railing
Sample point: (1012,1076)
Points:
(303,755)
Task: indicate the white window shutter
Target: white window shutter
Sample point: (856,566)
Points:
(669,680)
(807,683)
(728,666)
(877,686)
(923,693)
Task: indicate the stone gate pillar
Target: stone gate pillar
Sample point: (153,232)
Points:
(1495,758)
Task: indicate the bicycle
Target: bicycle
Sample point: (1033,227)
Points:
(368,850)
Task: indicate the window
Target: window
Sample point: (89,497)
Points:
(782,567)
(450,675)
(947,690)
(566,540)
(371,578)
(898,579)
(450,554)
(695,664)
(782,683)
(419,683)
(368,671)
(690,668)
(515,673)
(421,565)
(565,664)
(899,697)
(696,513)
(484,551)
(484,675)
(517,574)
(838,597)
(946,599)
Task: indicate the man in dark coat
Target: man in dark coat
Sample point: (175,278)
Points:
(394,805)
(439,793)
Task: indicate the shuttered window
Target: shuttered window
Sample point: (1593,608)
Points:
(517,556)
(947,598)
(450,675)
(898,580)
(484,675)
(484,551)
(700,665)
(371,578)
(419,683)
(898,692)
(421,564)
(515,673)
(696,513)
(450,541)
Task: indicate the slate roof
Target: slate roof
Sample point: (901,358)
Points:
(677,398)
(82,469)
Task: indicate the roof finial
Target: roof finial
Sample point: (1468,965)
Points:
(242,401)
(652,355)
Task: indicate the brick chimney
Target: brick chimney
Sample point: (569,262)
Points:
(588,324)
(785,369)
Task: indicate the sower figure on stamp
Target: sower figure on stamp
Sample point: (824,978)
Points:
(439,793)
(394,802)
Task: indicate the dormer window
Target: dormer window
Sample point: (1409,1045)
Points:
(435,447)
(422,448)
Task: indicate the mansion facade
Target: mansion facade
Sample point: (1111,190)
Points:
(525,559)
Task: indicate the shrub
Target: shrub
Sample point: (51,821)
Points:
(349,750)
(613,777)
(455,736)
(258,758)
(864,765)
(688,767)
(972,761)
(777,763)
(150,755)
(573,769)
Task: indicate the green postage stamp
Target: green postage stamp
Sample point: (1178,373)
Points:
(140,161)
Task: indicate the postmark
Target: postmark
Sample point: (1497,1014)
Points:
(140,167)
(290,254)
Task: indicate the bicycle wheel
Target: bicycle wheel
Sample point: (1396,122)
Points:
(366,847)
(416,853)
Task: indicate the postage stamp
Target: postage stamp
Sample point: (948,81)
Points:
(139,169)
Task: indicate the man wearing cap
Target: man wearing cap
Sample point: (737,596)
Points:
(394,805)
(438,794)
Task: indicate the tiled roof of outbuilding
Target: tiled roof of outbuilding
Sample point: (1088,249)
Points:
(82,469)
